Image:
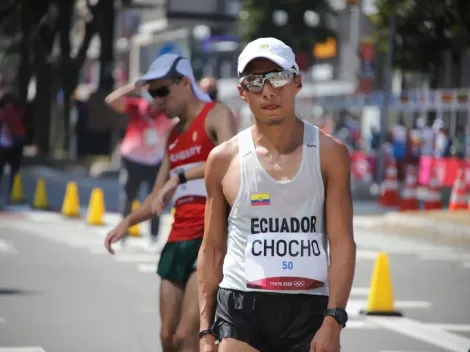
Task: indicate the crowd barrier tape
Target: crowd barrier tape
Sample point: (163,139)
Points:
(363,165)
(446,170)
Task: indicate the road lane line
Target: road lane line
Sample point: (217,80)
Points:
(356,305)
(451,327)
(3,320)
(451,257)
(360,291)
(147,268)
(136,258)
(21,349)
(361,324)
(422,332)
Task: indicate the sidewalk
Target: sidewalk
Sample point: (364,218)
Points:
(439,225)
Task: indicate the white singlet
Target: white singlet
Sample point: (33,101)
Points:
(275,228)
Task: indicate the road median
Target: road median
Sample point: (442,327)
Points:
(439,225)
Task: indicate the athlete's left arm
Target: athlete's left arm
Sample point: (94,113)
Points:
(336,169)
(221,125)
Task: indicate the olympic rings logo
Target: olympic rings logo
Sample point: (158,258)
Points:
(299,283)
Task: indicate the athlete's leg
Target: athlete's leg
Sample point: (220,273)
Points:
(188,326)
(233,345)
(171,298)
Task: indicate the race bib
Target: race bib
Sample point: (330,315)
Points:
(285,261)
(150,137)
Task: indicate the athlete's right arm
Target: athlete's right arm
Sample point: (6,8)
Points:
(213,247)
(116,99)
(144,212)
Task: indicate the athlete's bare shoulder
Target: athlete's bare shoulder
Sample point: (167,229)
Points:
(220,158)
(220,123)
(334,155)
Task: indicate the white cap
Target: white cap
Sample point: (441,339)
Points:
(269,48)
(172,65)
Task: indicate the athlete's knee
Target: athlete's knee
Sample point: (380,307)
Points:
(186,338)
(167,339)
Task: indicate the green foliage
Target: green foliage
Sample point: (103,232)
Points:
(256,20)
(424,29)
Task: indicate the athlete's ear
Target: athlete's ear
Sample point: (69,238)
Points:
(298,83)
(242,93)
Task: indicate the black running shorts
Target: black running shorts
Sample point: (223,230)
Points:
(269,322)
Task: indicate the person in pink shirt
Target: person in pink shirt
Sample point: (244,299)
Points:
(142,147)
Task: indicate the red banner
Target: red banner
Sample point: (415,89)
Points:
(446,170)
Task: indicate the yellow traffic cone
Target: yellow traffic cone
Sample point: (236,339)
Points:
(40,195)
(134,231)
(17,193)
(96,207)
(71,204)
(380,301)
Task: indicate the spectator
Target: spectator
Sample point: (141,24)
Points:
(142,148)
(12,132)
(208,85)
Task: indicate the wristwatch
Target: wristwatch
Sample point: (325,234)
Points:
(339,314)
(182,177)
(206,332)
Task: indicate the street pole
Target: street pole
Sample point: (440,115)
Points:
(387,92)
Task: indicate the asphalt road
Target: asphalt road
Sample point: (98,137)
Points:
(60,292)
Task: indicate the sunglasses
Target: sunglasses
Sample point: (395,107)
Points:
(278,79)
(162,91)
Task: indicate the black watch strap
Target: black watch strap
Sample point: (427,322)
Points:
(206,332)
(182,177)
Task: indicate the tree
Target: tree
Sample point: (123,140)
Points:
(256,20)
(424,30)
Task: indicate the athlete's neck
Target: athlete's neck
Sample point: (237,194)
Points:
(192,110)
(282,138)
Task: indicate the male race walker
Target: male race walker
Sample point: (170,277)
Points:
(202,124)
(277,195)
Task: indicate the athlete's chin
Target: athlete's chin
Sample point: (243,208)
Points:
(273,120)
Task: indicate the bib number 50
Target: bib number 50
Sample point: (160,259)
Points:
(287,265)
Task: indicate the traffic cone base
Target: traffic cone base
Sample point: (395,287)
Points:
(380,300)
(383,314)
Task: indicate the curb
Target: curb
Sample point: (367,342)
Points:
(416,226)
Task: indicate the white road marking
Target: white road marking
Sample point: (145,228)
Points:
(451,327)
(3,320)
(466,265)
(131,258)
(147,268)
(445,256)
(355,306)
(360,291)
(366,254)
(422,332)
(21,349)
(361,324)
(7,248)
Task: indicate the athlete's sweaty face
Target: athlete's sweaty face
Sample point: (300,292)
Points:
(171,95)
(270,106)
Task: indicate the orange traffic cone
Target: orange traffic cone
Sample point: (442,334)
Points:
(432,198)
(389,190)
(458,197)
(409,200)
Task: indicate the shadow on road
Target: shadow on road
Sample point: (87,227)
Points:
(7,291)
